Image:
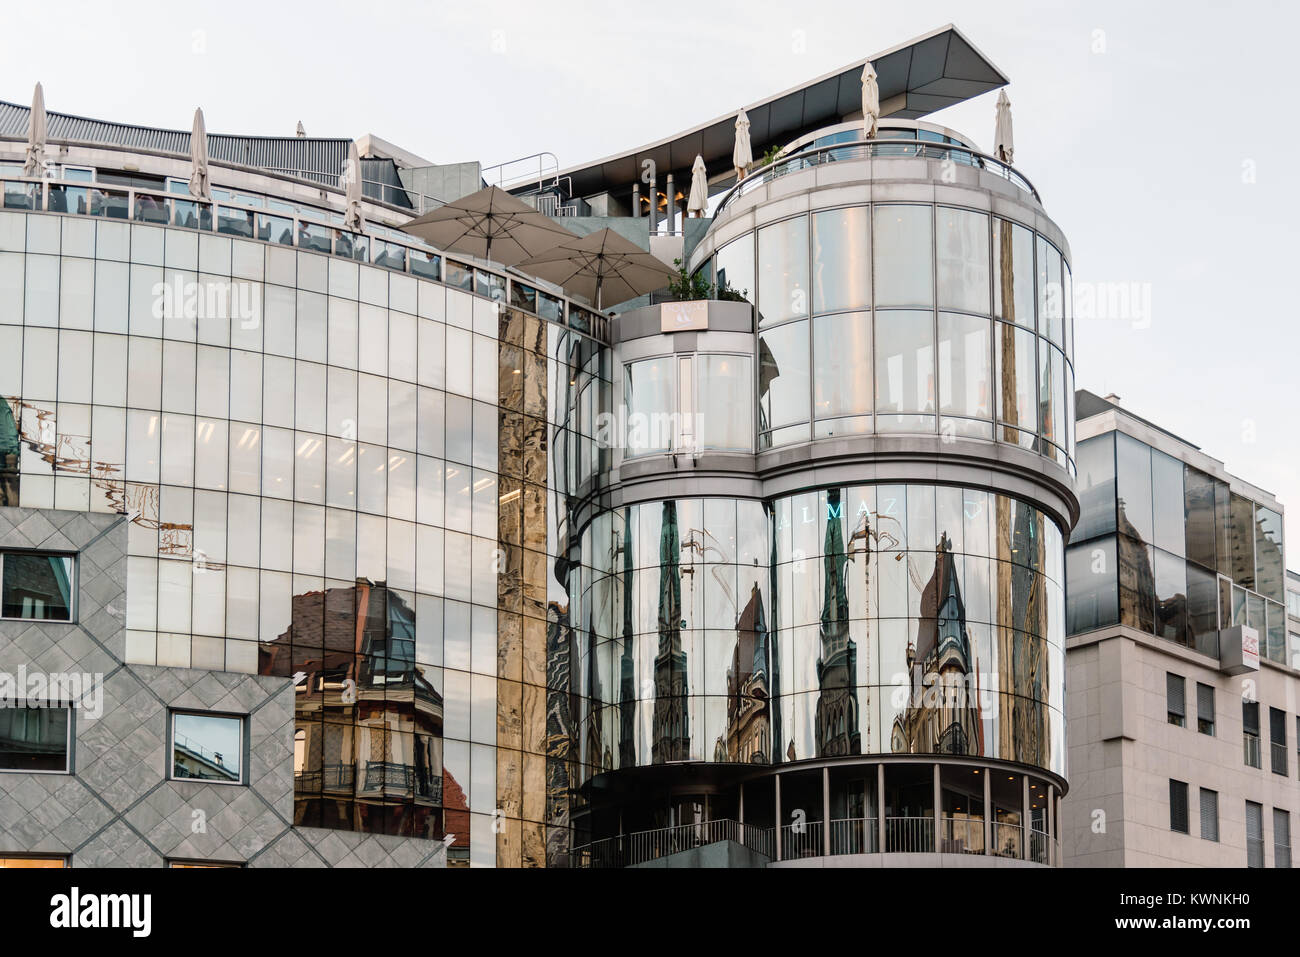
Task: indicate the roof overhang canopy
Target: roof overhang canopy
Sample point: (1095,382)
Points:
(916,78)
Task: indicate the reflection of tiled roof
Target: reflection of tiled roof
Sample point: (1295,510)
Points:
(455,810)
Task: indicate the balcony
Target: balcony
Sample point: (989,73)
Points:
(872,150)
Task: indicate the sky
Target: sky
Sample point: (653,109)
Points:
(1159,136)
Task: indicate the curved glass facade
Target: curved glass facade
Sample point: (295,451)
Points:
(907,318)
(872,619)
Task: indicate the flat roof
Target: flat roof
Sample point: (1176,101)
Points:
(916,78)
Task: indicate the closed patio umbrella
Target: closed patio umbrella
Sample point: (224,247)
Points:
(870,101)
(742,154)
(1004,145)
(490,224)
(604,267)
(35,164)
(200,186)
(353,219)
(698,203)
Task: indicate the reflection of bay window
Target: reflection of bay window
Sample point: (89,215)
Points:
(690,403)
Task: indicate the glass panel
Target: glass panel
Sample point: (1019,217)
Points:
(904,363)
(965,383)
(1134,487)
(962,240)
(1198,516)
(1096,485)
(1092,597)
(36,587)
(842,365)
(1167,500)
(903,256)
(1137,586)
(736,269)
(1051,310)
(1268,554)
(783,376)
(783,270)
(33,739)
(725,403)
(1242,541)
(1016,367)
(207,747)
(1013,273)
(841,260)
(1171,597)
(651,407)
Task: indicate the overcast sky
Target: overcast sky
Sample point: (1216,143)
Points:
(1160,136)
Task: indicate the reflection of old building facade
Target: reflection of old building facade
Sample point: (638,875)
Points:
(671,728)
(837,666)
(748,731)
(943,714)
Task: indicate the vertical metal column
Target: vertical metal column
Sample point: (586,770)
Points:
(826,812)
(880,808)
(671,205)
(636,199)
(988,811)
(1024,818)
(777,779)
(938,809)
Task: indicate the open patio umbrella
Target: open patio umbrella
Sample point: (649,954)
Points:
(352,219)
(490,224)
(35,164)
(742,154)
(199,183)
(1004,146)
(870,101)
(698,203)
(604,266)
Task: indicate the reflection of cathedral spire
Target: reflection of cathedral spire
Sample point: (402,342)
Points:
(943,714)
(837,702)
(671,733)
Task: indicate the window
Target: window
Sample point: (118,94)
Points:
(842,371)
(725,403)
(201,864)
(1209,815)
(962,240)
(35,739)
(207,747)
(36,586)
(1281,837)
(1178,806)
(783,271)
(1205,709)
(648,394)
(1175,696)
(1250,732)
(841,264)
(1277,740)
(783,387)
(903,256)
(905,370)
(33,860)
(1254,834)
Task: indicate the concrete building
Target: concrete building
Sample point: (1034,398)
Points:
(1183,682)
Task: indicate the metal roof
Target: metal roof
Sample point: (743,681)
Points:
(917,77)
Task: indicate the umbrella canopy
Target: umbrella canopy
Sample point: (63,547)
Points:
(35,164)
(199,183)
(1004,145)
(490,224)
(870,101)
(699,199)
(352,219)
(742,154)
(603,266)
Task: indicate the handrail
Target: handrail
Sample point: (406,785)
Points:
(324,234)
(639,847)
(874,149)
(543,170)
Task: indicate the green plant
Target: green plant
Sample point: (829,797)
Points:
(772,154)
(687,286)
(729,294)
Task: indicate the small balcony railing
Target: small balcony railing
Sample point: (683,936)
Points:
(1278,756)
(802,840)
(855,836)
(1250,751)
(874,149)
(639,847)
(1006,840)
(909,835)
(961,835)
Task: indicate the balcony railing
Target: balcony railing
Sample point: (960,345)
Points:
(1250,749)
(874,149)
(1006,840)
(639,847)
(961,835)
(802,840)
(909,835)
(263,219)
(855,836)
(1277,755)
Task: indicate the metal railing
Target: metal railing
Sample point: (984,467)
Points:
(639,847)
(1250,751)
(504,175)
(806,839)
(909,835)
(1007,840)
(269,224)
(1277,757)
(855,836)
(388,193)
(874,149)
(961,835)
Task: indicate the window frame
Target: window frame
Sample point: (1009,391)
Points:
(73,584)
(1173,681)
(70,737)
(1180,787)
(173,713)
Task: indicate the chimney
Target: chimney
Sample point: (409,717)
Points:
(1112,398)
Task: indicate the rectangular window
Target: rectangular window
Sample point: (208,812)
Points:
(1178,806)
(1176,699)
(207,747)
(1205,709)
(1250,733)
(1254,834)
(1209,815)
(783,271)
(1281,837)
(1277,739)
(903,256)
(34,860)
(36,586)
(201,864)
(35,739)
